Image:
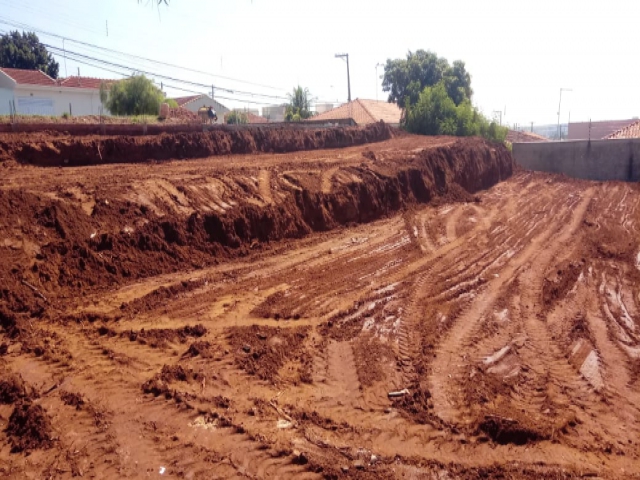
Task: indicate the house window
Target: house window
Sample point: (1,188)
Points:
(35,106)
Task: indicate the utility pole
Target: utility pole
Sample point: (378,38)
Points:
(346,55)
(559,105)
(377,78)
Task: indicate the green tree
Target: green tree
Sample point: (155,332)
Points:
(436,113)
(104,93)
(235,117)
(407,78)
(136,95)
(24,50)
(299,106)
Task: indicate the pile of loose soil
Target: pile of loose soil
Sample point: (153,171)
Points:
(37,149)
(12,388)
(66,255)
(29,428)
(159,337)
(160,383)
(263,351)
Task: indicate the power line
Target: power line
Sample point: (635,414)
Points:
(76,55)
(5,21)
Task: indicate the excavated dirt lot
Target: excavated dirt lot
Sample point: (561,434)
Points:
(249,315)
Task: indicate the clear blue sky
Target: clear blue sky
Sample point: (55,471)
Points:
(519,53)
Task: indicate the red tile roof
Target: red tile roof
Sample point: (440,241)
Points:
(84,82)
(37,77)
(29,77)
(182,101)
(253,118)
(363,112)
(514,136)
(630,131)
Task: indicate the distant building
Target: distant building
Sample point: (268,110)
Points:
(324,107)
(33,92)
(595,130)
(363,112)
(274,113)
(515,136)
(194,102)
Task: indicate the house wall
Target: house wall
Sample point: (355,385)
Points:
(6,96)
(206,101)
(591,160)
(83,101)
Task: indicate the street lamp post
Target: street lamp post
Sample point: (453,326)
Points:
(559,105)
(377,78)
(346,55)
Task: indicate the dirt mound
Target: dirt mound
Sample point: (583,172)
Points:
(222,140)
(263,351)
(508,431)
(65,250)
(12,388)
(29,428)
(159,337)
(160,383)
(72,399)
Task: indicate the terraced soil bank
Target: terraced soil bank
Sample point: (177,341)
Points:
(340,303)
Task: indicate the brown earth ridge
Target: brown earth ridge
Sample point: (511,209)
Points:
(339,303)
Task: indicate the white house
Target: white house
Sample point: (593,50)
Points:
(33,92)
(194,102)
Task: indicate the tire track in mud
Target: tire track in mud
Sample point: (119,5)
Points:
(446,363)
(264,186)
(134,420)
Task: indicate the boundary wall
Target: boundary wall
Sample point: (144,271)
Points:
(591,160)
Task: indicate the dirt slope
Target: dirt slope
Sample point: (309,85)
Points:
(247,316)
(45,149)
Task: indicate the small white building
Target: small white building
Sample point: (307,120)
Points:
(194,102)
(33,92)
(274,113)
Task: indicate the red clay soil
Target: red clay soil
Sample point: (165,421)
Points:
(44,150)
(407,308)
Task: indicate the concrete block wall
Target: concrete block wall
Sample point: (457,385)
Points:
(590,160)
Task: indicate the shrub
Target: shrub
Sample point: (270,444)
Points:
(136,95)
(235,117)
(435,113)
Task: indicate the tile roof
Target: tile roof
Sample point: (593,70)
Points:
(253,118)
(84,82)
(29,77)
(630,131)
(363,112)
(182,101)
(515,136)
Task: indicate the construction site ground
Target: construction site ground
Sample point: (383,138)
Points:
(416,307)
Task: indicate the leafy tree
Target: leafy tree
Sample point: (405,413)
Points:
(24,50)
(299,106)
(436,113)
(104,93)
(407,78)
(235,117)
(136,95)
(171,102)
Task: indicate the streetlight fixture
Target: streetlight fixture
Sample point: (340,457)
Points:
(559,105)
(346,55)
(378,78)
